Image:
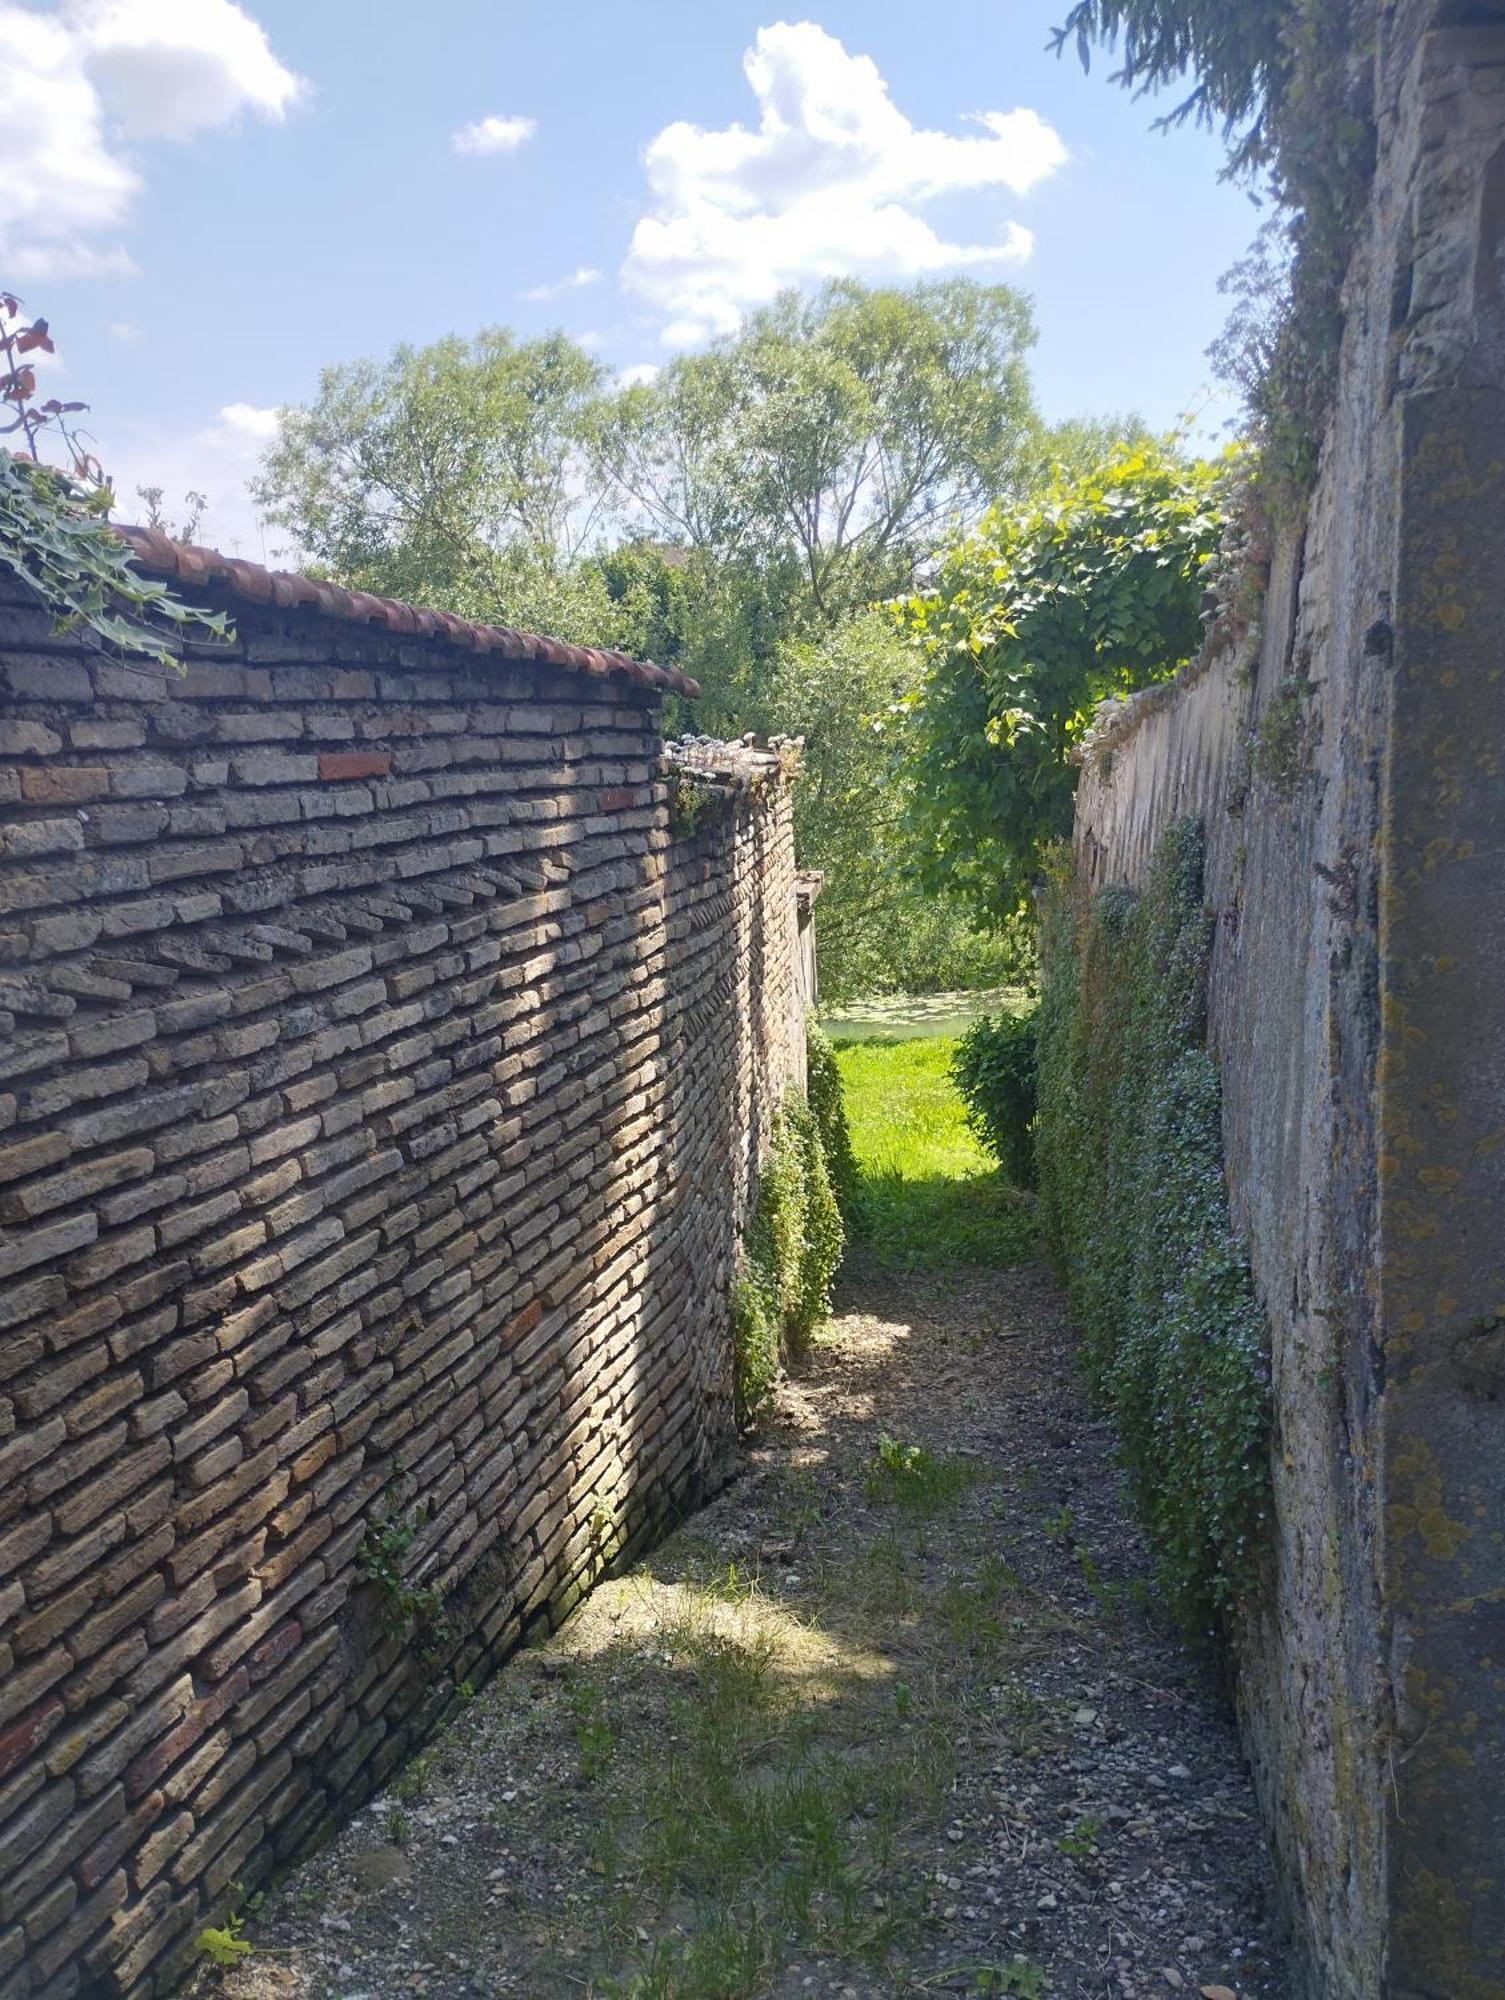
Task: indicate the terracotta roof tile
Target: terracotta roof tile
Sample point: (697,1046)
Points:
(203,567)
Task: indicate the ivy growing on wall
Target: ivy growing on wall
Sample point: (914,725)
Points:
(828,1108)
(54,524)
(793,1246)
(1134,1205)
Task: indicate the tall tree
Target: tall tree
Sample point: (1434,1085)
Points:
(835,436)
(1093,589)
(453,474)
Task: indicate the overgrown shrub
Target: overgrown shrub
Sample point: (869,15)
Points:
(994,1069)
(1134,1205)
(793,1246)
(828,1108)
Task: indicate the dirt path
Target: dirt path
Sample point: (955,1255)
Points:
(893,1716)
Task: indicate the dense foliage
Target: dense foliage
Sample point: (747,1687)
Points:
(1292,84)
(737,517)
(54,524)
(452,475)
(829,442)
(1134,1204)
(878,930)
(994,1069)
(828,1109)
(1092,590)
(793,1246)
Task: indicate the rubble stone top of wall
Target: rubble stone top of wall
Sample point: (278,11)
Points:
(741,765)
(207,568)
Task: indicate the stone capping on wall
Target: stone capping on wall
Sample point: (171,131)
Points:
(289,590)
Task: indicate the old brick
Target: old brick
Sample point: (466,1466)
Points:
(62,784)
(20,738)
(29,1156)
(78,1184)
(341,764)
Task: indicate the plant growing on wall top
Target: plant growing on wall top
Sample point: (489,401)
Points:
(1093,590)
(54,523)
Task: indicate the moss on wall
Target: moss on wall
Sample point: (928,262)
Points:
(1134,1205)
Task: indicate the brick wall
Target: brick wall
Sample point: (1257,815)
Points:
(382,1080)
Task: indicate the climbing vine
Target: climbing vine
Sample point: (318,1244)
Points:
(54,524)
(1093,590)
(1134,1205)
(828,1108)
(793,1246)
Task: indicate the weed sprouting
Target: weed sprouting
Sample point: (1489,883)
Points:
(223,1945)
(915,1479)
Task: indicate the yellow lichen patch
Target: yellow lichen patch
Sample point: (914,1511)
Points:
(1434,1932)
(1421,1515)
(1439,1181)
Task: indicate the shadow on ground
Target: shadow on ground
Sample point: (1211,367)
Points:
(895,1715)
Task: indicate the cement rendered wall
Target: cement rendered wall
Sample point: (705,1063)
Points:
(382,1086)
(1356,864)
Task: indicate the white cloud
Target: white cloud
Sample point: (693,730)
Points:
(586,275)
(244,425)
(638,375)
(168,69)
(124,329)
(827,185)
(494,135)
(76,84)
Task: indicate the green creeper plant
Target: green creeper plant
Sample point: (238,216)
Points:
(828,1109)
(793,1246)
(1091,591)
(55,531)
(1135,1208)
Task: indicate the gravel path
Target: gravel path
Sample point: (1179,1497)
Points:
(894,1715)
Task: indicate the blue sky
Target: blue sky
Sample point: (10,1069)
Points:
(221,199)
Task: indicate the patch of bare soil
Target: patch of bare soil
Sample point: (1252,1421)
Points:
(894,1715)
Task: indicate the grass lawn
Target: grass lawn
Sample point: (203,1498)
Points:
(933,1196)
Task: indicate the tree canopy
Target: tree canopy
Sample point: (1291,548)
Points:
(452,474)
(739,517)
(835,436)
(1093,589)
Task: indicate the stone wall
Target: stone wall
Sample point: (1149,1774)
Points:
(381,1092)
(1347,759)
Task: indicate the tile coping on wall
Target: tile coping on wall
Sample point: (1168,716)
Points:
(205,568)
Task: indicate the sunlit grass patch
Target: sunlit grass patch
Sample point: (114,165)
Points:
(931,1195)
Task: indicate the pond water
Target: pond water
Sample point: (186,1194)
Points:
(907,1016)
